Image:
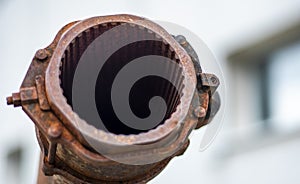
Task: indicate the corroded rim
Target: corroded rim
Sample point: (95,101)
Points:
(58,102)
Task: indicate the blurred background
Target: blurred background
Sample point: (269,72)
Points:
(257,45)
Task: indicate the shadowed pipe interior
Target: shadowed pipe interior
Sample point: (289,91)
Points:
(141,92)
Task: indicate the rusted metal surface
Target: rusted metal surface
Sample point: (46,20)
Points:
(40,86)
(66,154)
(41,54)
(55,95)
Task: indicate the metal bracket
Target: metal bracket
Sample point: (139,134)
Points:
(25,96)
(29,95)
(207,85)
(208,80)
(40,86)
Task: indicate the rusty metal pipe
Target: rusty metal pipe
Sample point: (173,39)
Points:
(141,92)
(46,95)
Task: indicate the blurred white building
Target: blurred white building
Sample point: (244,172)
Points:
(257,44)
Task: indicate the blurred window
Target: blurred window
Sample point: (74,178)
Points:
(283,81)
(14,162)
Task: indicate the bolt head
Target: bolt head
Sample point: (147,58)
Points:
(9,100)
(54,131)
(214,80)
(199,112)
(41,54)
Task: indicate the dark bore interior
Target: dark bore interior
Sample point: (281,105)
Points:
(141,92)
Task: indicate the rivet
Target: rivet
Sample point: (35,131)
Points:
(41,54)
(199,112)
(55,131)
